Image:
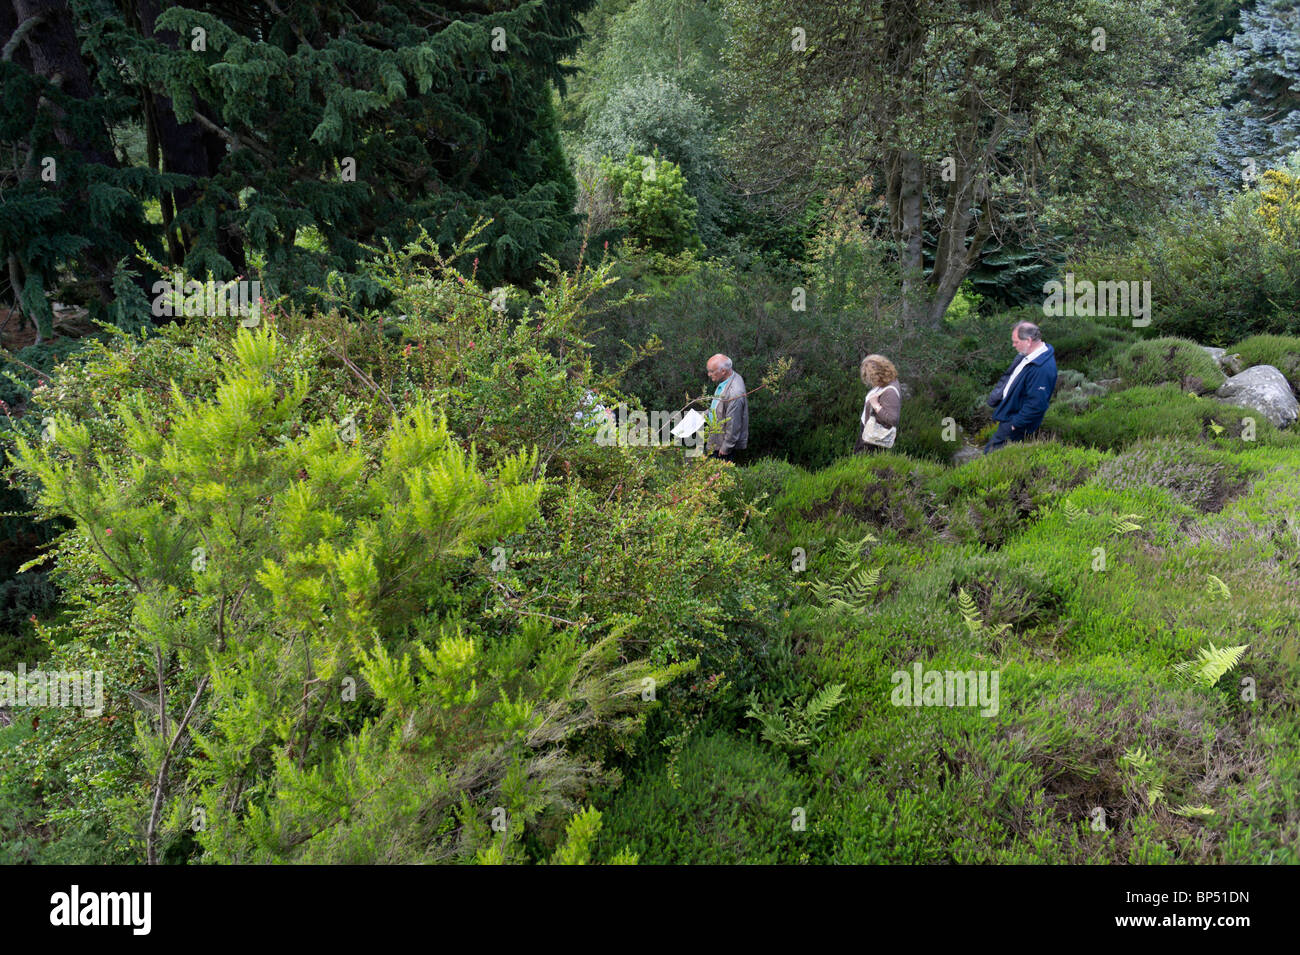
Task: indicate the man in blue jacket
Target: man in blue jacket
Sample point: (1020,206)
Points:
(1020,398)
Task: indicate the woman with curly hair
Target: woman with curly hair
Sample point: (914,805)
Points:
(879,420)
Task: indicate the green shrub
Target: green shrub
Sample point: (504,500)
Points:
(1217,274)
(1160,360)
(1084,345)
(267,522)
(762,481)
(659,209)
(1074,391)
(985,502)
(729,801)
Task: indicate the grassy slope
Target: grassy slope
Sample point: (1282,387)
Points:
(1085,660)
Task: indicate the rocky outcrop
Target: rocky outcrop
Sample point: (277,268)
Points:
(1264,389)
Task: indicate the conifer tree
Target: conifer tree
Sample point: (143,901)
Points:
(342,124)
(71,206)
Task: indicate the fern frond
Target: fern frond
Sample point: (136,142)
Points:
(1123,524)
(1189,811)
(852,592)
(1146,771)
(1218,587)
(969,612)
(821,704)
(1138,760)
(795,725)
(1211,663)
(860,589)
(852,552)
(1072,513)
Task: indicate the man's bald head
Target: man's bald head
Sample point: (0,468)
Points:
(719,367)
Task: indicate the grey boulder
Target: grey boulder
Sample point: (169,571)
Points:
(1264,389)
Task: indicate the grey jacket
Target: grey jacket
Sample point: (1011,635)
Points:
(733,418)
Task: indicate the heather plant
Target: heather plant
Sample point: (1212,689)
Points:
(1165,411)
(1159,360)
(272,558)
(1190,472)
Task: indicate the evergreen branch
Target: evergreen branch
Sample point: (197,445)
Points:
(24,28)
(235,139)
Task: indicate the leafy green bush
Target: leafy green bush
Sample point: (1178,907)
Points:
(762,481)
(282,533)
(654,115)
(1159,360)
(1216,275)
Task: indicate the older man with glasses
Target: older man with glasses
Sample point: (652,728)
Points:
(729,410)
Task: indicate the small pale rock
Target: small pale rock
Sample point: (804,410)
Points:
(1230,364)
(1264,389)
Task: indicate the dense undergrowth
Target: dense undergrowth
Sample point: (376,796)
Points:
(419,614)
(1203,553)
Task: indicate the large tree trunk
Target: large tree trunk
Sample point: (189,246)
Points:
(55,52)
(958,250)
(911,189)
(49,37)
(185,148)
(905,179)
